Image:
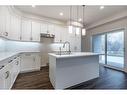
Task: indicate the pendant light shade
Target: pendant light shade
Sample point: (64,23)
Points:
(83,29)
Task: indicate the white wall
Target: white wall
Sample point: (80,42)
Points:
(114,25)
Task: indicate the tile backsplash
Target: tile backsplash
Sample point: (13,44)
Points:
(2,44)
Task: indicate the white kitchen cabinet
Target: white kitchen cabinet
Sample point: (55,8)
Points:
(47,28)
(44,28)
(61,34)
(26,34)
(7,31)
(58,35)
(5,77)
(30,62)
(15,27)
(64,34)
(15,69)
(75,44)
(36,31)
(2,21)
(51,29)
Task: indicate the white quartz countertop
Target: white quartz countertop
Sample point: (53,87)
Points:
(6,55)
(74,54)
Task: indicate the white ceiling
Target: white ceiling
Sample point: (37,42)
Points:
(92,13)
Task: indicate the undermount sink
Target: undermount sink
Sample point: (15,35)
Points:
(63,53)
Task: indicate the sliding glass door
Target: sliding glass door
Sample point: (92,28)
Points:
(111,46)
(115,49)
(99,46)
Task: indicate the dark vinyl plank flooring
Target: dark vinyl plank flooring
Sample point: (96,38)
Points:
(109,79)
(33,80)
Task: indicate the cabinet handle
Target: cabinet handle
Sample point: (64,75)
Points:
(10,61)
(7,74)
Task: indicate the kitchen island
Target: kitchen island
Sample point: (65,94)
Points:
(71,69)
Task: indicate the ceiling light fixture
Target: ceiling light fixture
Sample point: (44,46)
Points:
(70,27)
(33,6)
(83,29)
(61,14)
(101,7)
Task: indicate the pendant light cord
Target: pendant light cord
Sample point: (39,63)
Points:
(70,14)
(83,14)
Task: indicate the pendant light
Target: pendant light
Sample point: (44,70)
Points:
(83,29)
(70,27)
(77,28)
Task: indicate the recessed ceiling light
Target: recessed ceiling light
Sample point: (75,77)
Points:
(101,7)
(61,14)
(79,19)
(33,6)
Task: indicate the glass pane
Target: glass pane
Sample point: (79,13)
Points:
(99,46)
(115,49)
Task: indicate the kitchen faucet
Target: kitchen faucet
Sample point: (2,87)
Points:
(69,51)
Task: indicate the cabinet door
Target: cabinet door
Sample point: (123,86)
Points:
(78,44)
(2,79)
(51,29)
(27,62)
(7,24)
(64,34)
(15,27)
(15,69)
(44,28)
(2,22)
(35,31)
(57,34)
(37,60)
(26,30)
(7,73)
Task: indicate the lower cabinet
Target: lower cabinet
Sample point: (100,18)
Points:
(12,66)
(9,73)
(30,62)
(15,69)
(5,77)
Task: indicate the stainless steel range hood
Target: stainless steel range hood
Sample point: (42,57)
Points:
(47,35)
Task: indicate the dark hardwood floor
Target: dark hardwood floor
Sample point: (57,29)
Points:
(109,79)
(33,80)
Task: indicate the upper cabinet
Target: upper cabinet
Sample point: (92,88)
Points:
(2,21)
(36,29)
(47,28)
(16,27)
(44,28)
(26,34)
